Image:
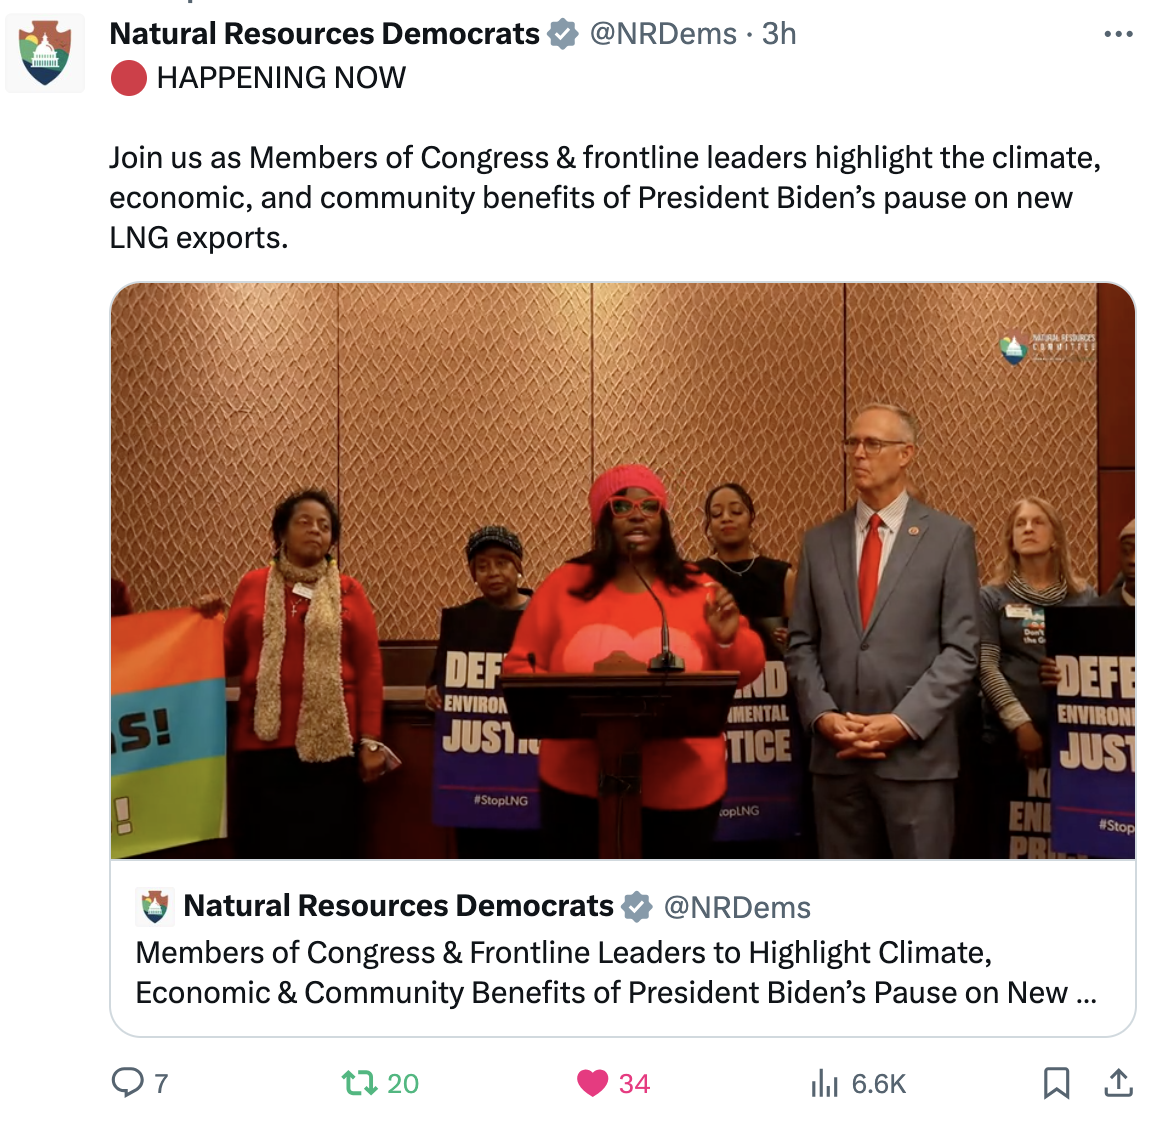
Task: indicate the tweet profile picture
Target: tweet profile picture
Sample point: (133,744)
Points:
(44,53)
(153,907)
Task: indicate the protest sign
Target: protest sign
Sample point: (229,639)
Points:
(764,762)
(485,776)
(1092,730)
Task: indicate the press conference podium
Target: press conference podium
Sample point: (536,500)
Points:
(619,711)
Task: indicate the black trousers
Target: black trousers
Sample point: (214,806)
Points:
(571,828)
(282,807)
(1005,780)
(476,842)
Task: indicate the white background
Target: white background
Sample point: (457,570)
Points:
(976,75)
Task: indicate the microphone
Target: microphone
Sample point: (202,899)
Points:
(531,661)
(666,660)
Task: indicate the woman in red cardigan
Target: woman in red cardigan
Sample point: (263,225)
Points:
(596,605)
(302,639)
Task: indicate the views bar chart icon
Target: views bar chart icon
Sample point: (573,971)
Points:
(822,1090)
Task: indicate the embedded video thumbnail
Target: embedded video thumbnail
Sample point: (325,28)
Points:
(622,570)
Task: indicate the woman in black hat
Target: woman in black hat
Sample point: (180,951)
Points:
(495,562)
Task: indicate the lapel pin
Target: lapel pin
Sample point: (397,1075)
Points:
(913,531)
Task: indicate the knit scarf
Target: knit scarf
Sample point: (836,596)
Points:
(322,733)
(1055,594)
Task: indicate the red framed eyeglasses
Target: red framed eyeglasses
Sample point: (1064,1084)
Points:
(624,508)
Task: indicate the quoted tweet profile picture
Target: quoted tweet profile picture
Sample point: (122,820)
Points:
(153,907)
(44,54)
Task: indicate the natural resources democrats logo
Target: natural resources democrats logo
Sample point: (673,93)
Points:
(45,60)
(1014,345)
(152,908)
(44,52)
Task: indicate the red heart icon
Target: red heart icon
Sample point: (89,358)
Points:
(593,1081)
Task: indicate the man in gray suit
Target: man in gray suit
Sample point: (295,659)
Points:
(883,649)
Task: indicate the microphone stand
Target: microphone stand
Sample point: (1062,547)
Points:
(666,661)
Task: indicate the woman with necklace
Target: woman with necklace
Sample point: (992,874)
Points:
(762,587)
(1035,572)
(302,639)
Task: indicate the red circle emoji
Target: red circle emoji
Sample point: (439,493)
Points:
(129,77)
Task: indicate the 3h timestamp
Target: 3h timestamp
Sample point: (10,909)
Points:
(778,34)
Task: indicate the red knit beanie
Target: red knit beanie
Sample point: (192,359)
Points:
(619,479)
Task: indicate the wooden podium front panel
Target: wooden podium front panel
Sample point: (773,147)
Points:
(397,808)
(620,788)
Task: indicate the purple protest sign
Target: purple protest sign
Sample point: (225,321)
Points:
(484,776)
(764,765)
(1092,730)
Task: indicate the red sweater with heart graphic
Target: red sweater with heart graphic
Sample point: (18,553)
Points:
(569,635)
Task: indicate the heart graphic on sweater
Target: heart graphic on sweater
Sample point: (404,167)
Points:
(596,641)
(592,1081)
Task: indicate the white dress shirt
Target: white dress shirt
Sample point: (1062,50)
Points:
(892,515)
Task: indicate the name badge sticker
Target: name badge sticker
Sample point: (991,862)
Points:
(304,590)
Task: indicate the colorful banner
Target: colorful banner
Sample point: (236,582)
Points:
(484,775)
(169,730)
(764,764)
(1092,730)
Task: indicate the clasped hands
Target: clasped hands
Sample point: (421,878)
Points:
(860,737)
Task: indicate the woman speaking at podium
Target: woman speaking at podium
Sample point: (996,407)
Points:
(605,602)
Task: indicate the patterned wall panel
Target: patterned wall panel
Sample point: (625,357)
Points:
(992,432)
(460,404)
(712,382)
(432,408)
(223,400)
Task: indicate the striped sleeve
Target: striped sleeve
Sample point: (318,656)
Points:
(995,687)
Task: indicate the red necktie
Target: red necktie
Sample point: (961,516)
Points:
(868,568)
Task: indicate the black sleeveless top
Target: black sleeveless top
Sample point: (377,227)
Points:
(760,592)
